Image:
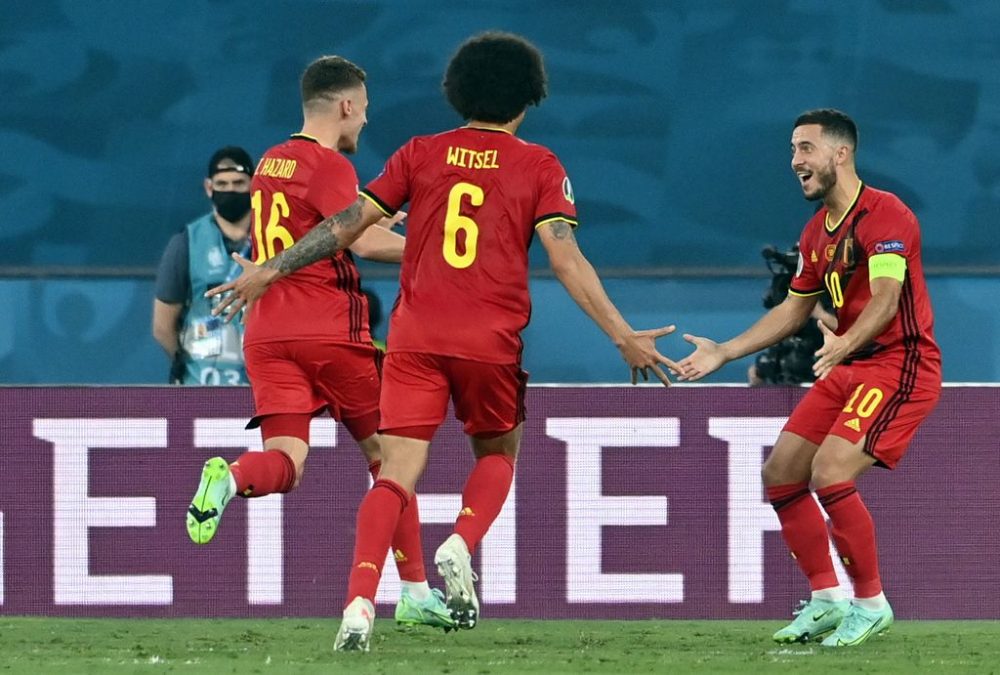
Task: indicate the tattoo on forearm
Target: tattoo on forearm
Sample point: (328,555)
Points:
(561,229)
(331,235)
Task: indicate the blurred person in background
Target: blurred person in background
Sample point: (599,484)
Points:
(201,348)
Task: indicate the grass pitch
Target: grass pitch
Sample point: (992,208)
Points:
(45,645)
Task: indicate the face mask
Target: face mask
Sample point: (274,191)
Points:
(231,205)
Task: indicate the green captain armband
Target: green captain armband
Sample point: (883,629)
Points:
(887,265)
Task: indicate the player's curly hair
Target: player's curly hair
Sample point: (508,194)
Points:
(494,76)
(834,122)
(327,76)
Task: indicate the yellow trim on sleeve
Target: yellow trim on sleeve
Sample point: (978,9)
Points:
(571,222)
(804,295)
(374,203)
(887,265)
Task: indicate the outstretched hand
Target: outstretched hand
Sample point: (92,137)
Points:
(706,358)
(834,350)
(639,351)
(243,291)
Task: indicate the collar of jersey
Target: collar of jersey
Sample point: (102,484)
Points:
(502,131)
(304,137)
(854,202)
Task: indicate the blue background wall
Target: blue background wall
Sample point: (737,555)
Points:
(672,118)
(98,331)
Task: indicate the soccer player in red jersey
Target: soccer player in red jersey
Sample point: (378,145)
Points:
(477,195)
(879,376)
(307,344)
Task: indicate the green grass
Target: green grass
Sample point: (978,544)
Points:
(43,645)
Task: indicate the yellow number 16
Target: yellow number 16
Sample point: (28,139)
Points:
(273,231)
(454,221)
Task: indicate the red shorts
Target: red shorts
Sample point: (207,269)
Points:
(309,376)
(488,397)
(882,403)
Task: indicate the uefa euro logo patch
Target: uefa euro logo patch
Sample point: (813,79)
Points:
(894,246)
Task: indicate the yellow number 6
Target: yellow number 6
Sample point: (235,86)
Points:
(455,221)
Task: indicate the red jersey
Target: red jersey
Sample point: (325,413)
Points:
(476,197)
(295,186)
(833,258)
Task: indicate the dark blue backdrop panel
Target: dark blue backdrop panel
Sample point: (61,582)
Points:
(673,118)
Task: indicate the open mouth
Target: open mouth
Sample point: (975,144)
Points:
(804,177)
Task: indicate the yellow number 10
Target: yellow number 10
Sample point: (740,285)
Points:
(454,221)
(274,231)
(833,285)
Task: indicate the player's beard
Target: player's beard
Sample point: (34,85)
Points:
(349,144)
(825,179)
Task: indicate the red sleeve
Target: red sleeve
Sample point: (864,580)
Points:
(890,229)
(806,280)
(333,185)
(391,189)
(555,193)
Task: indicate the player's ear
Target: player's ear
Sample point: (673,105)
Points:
(208,188)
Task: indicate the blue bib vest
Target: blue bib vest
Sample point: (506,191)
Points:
(212,350)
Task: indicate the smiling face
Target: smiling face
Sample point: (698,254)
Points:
(815,157)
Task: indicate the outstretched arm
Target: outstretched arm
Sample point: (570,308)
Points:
(780,322)
(380,243)
(331,235)
(577,275)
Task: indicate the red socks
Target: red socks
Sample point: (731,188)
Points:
(263,473)
(805,533)
(406,544)
(484,495)
(854,535)
(378,517)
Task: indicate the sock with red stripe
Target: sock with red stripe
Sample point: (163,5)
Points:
(854,534)
(262,473)
(804,531)
(407,547)
(378,516)
(483,497)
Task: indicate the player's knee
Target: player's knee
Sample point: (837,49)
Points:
(825,473)
(774,473)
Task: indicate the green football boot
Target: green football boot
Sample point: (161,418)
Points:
(813,619)
(214,492)
(430,612)
(859,625)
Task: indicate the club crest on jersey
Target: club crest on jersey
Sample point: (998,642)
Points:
(894,246)
(830,251)
(567,188)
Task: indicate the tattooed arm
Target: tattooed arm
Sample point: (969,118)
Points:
(577,275)
(331,235)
